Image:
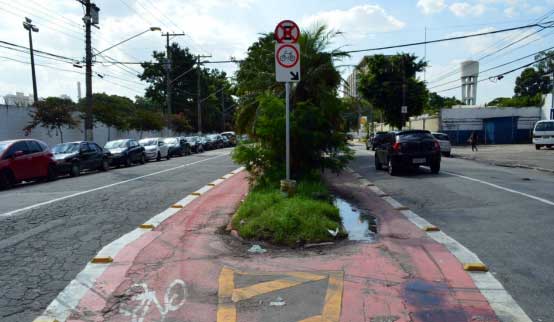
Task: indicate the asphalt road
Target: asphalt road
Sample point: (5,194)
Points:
(49,231)
(512,233)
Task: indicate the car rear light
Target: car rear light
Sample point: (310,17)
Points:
(437,146)
(396,147)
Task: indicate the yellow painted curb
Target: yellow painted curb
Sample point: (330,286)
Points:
(195,194)
(146,226)
(222,178)
(476,267)
(383,195)
(176,206)
(431,228)
(370,184)
(40,319)
(101,260)
(402,208)
(211,184)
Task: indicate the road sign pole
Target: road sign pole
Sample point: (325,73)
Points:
(287,104)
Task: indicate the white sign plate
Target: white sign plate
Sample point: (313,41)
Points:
(287,62)
(404,110)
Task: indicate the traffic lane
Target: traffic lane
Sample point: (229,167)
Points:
(49,245)
(32,193)
(511,233)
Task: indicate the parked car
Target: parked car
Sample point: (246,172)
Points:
(206,143)
(155,149)
(25,160)
(375,140)
(408,149)
(125,152)
(195,144)
(444,142)
(226,141)
(74,157)
(543,134)
(216,140)
(231,136)
(177,146)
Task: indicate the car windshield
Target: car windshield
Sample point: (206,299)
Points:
(212,137)
(147,142)
(116,144)
(191,139)
(3,147)
(65,148)
(442,137)
(415,135)
(170,141)
(545,126)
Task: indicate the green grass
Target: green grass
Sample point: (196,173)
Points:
(268,215)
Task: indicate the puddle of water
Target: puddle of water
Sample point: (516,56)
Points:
(360,225)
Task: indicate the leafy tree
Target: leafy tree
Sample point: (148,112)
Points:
(531,82)
(179,124)
(53,113)
(381,82)
(545,62)
(111,110)
(437,102)
(517,101)
(317,137)
(146,120)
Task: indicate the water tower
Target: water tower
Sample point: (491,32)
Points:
(470,71)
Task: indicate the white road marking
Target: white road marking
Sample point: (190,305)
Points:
(18,211)
(546,201)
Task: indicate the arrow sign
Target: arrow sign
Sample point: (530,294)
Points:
(287,62)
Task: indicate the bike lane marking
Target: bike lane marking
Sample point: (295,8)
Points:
(229,296)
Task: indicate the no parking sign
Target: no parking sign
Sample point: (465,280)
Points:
(287,52)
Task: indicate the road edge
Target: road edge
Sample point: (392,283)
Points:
(67,300)
(504,306)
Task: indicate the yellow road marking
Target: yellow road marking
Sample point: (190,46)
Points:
(226,310)
(333,298)
(246,293)
(316,318)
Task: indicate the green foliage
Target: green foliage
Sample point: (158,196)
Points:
(317,140)
(53,113)
(531,82)
(381,82)
(545,62)
(111,110)
(437,102)
(517,101)
(179,123)
(146,120)
(268,215)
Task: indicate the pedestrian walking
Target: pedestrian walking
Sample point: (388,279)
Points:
(473,138)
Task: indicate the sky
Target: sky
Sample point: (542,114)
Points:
(226,28)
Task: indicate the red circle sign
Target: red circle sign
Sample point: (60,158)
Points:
(287,56)
(287,31)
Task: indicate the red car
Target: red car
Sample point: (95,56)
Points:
(25,160)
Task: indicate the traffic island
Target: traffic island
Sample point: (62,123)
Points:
(185,269)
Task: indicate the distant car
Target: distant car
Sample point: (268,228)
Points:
(375,140)
(195,144)
(543,134)
(444,141)
(231,136)
(408,149)
(155,149)
(177,146)
(25,160)
(214,141)
(125,152)
(74,157)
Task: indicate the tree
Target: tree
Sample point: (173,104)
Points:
(545,62)
(437,102)
(179,124)
(517,101)
(53,113)
(146,120)
(381,81)
(111,110)
(531,82)
(317,137)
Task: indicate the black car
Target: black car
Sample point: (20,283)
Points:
(125,152)
(216,141)
(375,140)
(177,146)
(408,149)
(74,157)
(195,143)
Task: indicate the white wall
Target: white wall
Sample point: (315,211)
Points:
(472,118)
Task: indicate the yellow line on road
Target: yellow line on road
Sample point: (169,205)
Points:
(333,298)
(245,293)
(226,310)
(316,318)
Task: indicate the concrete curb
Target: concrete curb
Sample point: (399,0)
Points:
(505,307)
(66,302)
(501,164)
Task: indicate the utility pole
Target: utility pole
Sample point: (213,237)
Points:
(168,70)
(27,24)
(222,110)
(403,91)
(198,92)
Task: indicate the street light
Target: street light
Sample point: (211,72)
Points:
(27,24)
(130,38)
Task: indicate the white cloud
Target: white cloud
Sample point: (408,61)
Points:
(356,22)
(431,6)
(464,9)
(510,12)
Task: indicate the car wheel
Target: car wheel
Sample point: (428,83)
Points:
(142,159)
(447,154)
(75,169)
(378,165)
(537,147)
(549,146)
(159,157)
(105,166)
(168,156)
(392,169)
(435,167)
(128,162)
(367,147)
(52,173)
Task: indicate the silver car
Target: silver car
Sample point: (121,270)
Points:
(444,142)
(155,149)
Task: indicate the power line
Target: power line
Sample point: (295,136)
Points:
(72,60)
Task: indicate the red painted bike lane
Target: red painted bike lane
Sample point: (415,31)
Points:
(187,269)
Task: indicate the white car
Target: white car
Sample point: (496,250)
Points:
(444,142)
(543,134)
(155,148)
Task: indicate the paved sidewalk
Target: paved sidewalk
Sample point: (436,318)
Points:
(510,155)
(187,269)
